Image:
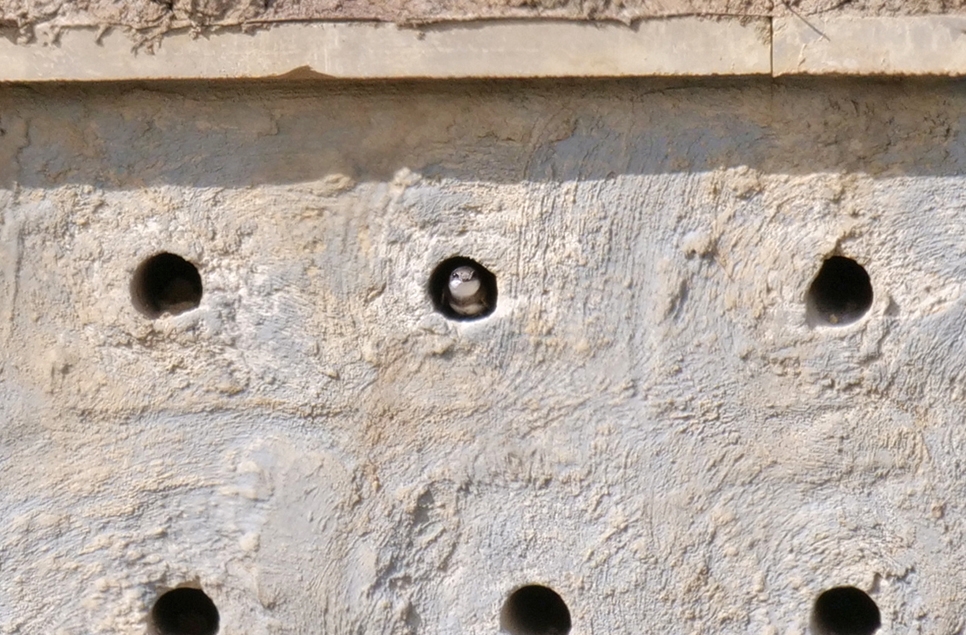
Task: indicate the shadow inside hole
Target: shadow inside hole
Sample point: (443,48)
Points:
(845,611)
(166,283)
(535,610)
(184,612)
(480,305)
(840,294)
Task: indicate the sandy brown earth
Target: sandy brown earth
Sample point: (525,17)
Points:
(161,15)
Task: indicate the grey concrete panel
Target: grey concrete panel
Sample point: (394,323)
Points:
(647,422)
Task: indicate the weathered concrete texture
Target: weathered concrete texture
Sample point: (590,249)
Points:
(646,423)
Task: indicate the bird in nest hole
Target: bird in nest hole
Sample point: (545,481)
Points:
(465,293)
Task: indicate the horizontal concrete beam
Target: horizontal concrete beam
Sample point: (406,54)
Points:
(911,45)
(671,47)
(684,46)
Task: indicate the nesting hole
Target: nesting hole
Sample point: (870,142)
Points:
(840,294)
(535,610)
(185,612)
(446,298)
(166,283)
(845,610)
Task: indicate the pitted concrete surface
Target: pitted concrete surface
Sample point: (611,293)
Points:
(646,424)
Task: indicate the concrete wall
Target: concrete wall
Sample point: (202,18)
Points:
(647,423)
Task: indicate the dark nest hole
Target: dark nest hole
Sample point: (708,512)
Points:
(166,283)
(185,612)
(535,610)
(840,294)
(845,610)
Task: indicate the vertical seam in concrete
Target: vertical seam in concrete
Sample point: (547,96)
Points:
(771,44)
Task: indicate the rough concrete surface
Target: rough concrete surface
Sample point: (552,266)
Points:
(157,16)
(646,423)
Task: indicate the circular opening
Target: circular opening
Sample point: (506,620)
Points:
(535,610)
(166,283)
(845,610)
(185,612)
(841,293)
(462,289)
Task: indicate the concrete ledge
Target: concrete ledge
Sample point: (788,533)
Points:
(912,45)
(687,46)
(676,46)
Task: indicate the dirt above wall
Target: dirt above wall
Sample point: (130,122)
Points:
(162,15)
